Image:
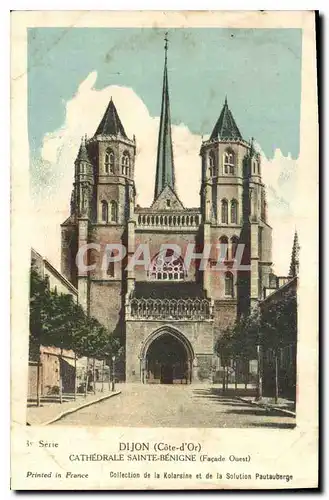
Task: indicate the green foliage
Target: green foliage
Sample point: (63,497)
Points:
(273,327)
(240,339)
(56,320)
(225,346)
(279,321)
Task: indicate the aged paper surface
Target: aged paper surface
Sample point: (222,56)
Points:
(177,391)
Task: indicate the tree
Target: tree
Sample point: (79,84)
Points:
(56,320)
(239,342)
(280,321)
(39,301)
(225,349)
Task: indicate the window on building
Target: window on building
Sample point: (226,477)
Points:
(105,211)
(212,164)
(229,284)
(110,268)
(234,212)
(125,164)
(224,212)
(223,241)
(167,265)
(109,161)
(168,203)
(254,167)
(263,205)
(229,162)
(234,245)
(114,211)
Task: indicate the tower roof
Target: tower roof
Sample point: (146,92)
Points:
(165,171)
(294,264)
(225,127)
(111,123)
(83,153)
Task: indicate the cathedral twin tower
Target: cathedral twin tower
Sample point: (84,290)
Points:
(138,305)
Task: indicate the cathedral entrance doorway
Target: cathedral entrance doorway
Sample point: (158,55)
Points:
(167,361)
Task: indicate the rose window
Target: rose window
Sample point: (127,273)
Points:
(167,266)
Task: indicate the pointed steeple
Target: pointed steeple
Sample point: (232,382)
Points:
(226,128)
(83,153)
(294,264)
(165,171)
(111,123)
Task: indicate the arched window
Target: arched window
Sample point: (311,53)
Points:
(125,164)
(223,241)
(105,211)
(229,162)
(109,161)
(263,205)
(110,267)
(229,284)
(167,265)
(114,211)
(234,212)
(224,212)
(212,164)
(254,167)
(234,245)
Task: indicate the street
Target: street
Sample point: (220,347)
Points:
(175,406)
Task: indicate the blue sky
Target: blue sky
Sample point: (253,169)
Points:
(258,69)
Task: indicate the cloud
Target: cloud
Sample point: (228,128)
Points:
(53,179)
(280,177)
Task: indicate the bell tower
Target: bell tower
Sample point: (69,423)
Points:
(113,155)
(222,197)
(221,185)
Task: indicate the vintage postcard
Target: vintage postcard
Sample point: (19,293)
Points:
(164,250)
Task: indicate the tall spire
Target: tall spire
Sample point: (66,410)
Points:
(294,264)
(165,171)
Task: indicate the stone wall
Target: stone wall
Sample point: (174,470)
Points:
(106,303)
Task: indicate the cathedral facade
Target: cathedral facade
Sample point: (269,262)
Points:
(168,314)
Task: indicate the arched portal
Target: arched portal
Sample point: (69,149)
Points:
(167,359)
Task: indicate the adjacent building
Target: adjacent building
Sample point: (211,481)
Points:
(278,310)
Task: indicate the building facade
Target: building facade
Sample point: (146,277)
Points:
(278,309)
(57,282)
(168,314)
(48,363)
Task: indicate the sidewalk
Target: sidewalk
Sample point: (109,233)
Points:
(51,410)
(284,406)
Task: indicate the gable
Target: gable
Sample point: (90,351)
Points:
(167,200)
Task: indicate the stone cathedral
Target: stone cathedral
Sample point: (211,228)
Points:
(169,315)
